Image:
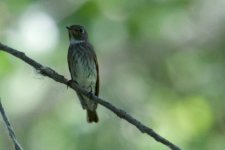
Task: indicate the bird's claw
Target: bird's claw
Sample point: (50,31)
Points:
(90,94)
(69,83)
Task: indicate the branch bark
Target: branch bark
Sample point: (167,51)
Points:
(46,71)
(9,128)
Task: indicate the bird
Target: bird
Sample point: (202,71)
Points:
(83,67)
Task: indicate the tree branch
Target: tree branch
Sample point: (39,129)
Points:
(10,129)
(46,71)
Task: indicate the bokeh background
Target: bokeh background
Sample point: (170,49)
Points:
(163,61)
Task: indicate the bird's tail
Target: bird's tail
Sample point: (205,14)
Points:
(92,116)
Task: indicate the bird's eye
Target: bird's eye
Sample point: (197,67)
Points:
(81,30)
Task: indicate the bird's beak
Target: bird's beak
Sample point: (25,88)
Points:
(68,28)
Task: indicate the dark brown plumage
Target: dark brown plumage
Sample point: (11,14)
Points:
(83,67)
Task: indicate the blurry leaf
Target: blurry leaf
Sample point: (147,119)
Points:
(194,115)
(190,118)
(48,133)
(5,65)
(16,7)
(196,70)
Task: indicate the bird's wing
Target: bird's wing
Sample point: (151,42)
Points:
(92,52)
(97,81)
(69,55)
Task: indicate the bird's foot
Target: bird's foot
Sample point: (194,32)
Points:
(90,94)
(69,83)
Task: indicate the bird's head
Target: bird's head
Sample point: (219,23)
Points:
(77,33)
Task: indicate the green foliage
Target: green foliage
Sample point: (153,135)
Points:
(5,65)
(161,60)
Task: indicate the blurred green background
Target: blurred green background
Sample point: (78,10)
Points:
(163,61)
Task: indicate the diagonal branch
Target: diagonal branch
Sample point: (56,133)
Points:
(46,71)
(10,129)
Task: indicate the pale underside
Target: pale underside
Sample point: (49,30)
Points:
(84,72)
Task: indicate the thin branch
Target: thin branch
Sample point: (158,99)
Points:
(10,129)
(46,71)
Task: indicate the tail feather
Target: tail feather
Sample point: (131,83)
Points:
(92,116)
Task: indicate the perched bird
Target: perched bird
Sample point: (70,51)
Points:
(83,67)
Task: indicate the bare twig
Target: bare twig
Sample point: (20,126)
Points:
(10,129)
(46,71)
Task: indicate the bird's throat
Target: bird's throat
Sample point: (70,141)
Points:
(75,41)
